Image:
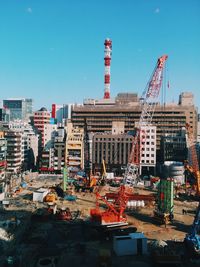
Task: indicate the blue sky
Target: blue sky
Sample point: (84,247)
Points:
(53,50)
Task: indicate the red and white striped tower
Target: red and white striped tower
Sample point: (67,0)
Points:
(107,59)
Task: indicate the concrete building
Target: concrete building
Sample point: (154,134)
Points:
(50,132)
(59,150)
(148,150)
(74,153)
(173,147)
(30,141)
(20,108)
(198,129)
(3,150)
(40,119)
(53,155)
(114,149)
(47,161)
(4,115)
(168,118)
(14,155)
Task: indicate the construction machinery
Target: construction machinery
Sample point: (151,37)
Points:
(164,212)
(114,214)
(192,239)
(84,184)
(192,164)
(148,102)
(102,178)
(64,214)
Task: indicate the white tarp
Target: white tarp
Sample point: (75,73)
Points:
(40,194)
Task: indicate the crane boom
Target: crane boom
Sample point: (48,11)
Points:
(192,239)
(148,102)
(193,164)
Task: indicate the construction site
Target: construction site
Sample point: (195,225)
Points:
(53,230)
(84,219)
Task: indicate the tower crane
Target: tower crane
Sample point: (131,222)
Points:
(192,239)
(148,101)
(114,213)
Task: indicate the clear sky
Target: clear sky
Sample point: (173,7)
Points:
(53,50)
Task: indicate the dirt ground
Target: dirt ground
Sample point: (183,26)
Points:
(53,235)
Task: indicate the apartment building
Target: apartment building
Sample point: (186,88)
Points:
(14,155)
(30,141)
(74,150)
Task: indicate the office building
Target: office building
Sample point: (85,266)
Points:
(168,119)
(20,108)
(174,147)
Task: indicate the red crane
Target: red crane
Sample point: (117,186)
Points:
(192,165)
(148,101)
(114,213)
(192,239)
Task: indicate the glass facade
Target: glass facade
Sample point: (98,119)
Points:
(19,108)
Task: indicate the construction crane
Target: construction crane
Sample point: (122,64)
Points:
(192,165)
(148,102)
(192,239)
(114,213)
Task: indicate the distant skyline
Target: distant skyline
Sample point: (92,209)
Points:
(53,50)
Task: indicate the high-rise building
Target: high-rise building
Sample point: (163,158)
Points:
(20,108)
